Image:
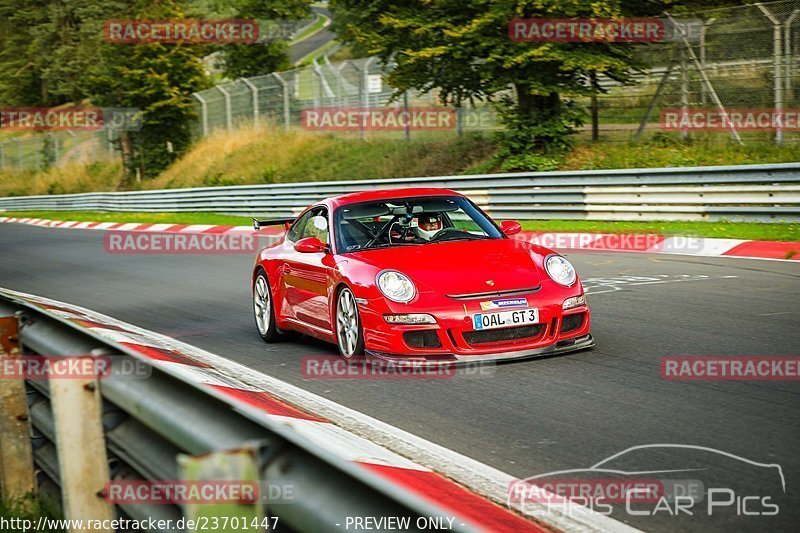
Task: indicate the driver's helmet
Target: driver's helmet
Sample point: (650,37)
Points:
(428,225)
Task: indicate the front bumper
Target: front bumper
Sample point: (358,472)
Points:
(453,339)
(560,347)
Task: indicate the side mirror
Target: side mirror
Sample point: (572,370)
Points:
(310,245)
(510,227)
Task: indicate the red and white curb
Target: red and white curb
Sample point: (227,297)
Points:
(474,493)
(665,244)
(134,226)
(599,242)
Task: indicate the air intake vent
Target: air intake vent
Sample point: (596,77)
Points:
(572,322)
(426,338)
(503,335)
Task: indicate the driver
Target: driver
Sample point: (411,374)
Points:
(428,225)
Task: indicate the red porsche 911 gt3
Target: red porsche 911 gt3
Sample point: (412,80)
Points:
(419,276)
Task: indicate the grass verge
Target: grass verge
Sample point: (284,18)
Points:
(670,152)
(755,231)
(317,25)
(725,230)
(251,155)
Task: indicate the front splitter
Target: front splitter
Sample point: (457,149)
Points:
(455,360)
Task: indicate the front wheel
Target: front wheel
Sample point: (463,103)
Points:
(264,309)
(349,334)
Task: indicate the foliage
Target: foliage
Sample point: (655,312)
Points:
(268,54)
(156,78)
(47,47)
(463,49)
(52,53)
(257,155)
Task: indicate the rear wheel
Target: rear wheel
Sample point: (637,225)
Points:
(349,334)
(264,310)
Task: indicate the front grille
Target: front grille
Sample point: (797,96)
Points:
(571,322)
(425,338)
(503,335)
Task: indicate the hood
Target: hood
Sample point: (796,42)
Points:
(460,267)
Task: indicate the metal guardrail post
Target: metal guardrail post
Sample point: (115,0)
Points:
(82,461)
(19,153)
(343,87)
(2,156)
(56,150)
(787,48)
(109,140)
(365,80)
(228,107)
(318,94)
(16,455)
(203,111)
(704,77)
(238,465)
(777,81)
(363,95)
(703,31)
(285,86)
(325,90)
(684,54)
(254,90)
(408,122)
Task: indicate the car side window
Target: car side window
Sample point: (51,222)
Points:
(296,231)
(317,225)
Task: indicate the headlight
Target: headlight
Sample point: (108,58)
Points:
(396,286)
(560,270)
(575,301)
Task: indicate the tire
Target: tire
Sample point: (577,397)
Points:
(349,333)
(264,310)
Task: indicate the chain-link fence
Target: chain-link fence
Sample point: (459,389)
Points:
(739,62)
(42,151)
(280,99)
(731,74)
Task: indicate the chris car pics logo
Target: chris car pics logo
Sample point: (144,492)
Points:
(677,481)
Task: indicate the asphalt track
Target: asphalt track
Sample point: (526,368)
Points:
(300,50)
(524,418)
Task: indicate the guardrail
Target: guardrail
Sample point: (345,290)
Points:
(738,193)
(154,427)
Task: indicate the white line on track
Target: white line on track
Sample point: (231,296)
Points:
(619,283)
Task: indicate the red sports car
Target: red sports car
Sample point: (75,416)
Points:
(417,275)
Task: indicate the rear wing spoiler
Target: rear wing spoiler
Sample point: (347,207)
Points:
(285,222)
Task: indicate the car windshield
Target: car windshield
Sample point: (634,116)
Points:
(410,222)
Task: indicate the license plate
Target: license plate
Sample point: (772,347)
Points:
(504,319)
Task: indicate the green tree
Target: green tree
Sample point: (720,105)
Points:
(463,48)
(255,59)
(156,78)
(270,53)
(47,48)
(54,53)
